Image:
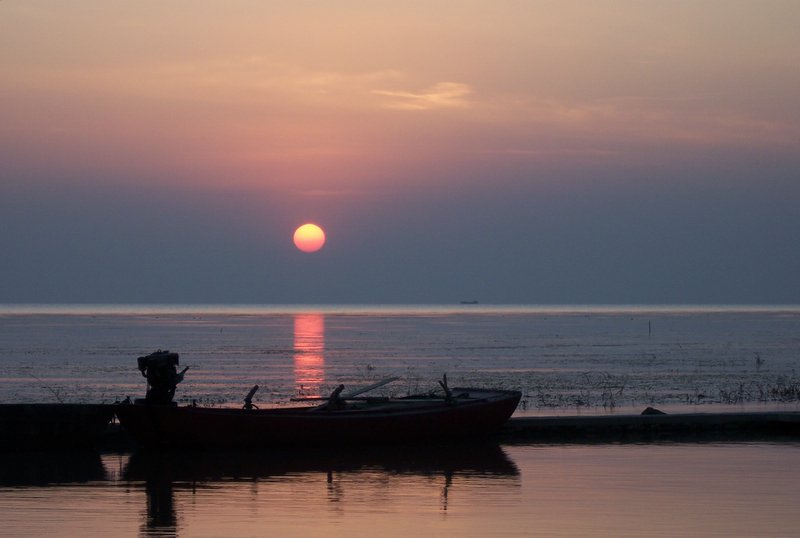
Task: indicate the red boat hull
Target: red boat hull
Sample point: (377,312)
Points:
(474,412)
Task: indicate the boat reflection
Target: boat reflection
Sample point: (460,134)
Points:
(366,475)
(160,517)
(309,354)
(473,459)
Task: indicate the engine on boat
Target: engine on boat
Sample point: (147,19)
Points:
(161,370)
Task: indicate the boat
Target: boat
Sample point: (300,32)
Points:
(342,418)
(470,412)
(52,426)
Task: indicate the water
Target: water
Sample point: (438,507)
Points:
(565,360)
(734,489)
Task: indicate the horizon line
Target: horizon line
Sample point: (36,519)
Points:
(385,308)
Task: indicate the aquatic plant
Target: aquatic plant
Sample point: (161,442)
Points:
(785,391)
(54,390)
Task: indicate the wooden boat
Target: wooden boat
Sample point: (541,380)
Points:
(52,426)
(156,421)
(466,412)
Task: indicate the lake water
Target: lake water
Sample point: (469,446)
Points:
(734,489)
(566,360)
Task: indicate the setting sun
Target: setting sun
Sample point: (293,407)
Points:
(309,238)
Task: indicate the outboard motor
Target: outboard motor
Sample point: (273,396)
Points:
(161,370)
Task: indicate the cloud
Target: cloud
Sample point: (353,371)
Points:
(441,95)
(219,80)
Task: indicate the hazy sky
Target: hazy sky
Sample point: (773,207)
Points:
(505,151)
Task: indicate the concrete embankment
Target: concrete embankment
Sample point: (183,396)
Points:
(645,427)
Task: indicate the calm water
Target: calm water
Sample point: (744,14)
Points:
(565,360)
(571,490)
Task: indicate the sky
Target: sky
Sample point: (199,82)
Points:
(511,152)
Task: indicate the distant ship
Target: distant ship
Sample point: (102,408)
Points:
(474,301)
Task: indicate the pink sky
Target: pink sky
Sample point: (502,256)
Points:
(313,96)
(332,107)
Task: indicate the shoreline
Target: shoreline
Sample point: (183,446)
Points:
(700,427)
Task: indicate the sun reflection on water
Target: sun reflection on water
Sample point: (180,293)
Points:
(309,353)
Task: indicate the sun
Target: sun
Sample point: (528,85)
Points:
(309,238)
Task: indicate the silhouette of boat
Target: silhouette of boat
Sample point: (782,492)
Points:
(156,421)
(468,412)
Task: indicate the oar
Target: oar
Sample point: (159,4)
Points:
(352,394)
(374,386)
(248,400)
